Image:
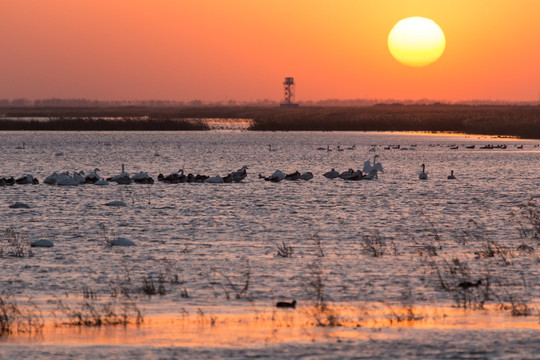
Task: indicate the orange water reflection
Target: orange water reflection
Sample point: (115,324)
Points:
(216,327)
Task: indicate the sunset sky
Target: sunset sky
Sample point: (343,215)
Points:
(216,50)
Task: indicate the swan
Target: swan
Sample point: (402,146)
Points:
(451,176)
(214,180)
(277,176)
(19,147)
(371,175)
(101,182)
(352,147)
(123,178)
(173,178)
(423,174)
(376,165)
(332,174)
(79,176)
(321,148)
(64,179)
(240,174)
(372,149)
(328,148)
(142,178)
(51,179)
(307,176)
(339,148)
(92,176)
(270,148)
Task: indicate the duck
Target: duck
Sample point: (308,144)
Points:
(423,175)
(451,176)
(465,285)
(293,176)
(332,174)
(286,305)
(26,179)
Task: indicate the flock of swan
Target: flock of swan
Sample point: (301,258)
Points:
(370,171)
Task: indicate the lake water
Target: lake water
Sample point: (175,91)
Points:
(205,238)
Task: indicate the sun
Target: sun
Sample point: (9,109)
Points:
(416,41)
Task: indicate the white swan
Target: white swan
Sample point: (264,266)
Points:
(423,174)
(371,175)
(51,179)
(278,175)
(451,176)
(79,177)
(376,165)
(214,180)
(332,174)
(123,178)
(64,179)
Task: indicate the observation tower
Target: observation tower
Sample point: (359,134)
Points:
(288,92)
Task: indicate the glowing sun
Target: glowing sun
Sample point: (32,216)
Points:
(416,41)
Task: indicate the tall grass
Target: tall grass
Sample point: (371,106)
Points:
(511,120)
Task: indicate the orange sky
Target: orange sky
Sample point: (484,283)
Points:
(216,50)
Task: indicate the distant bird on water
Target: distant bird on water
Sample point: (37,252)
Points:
(451,176)
(465,285)
(270,148)
(423,175)
(286,305)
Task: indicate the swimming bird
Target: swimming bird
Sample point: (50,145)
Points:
(376,165)
(286,305)
(277,176)
(352,147)
(307,176)
(26,179)
(92,177)
(332,174)
(64,179)
(451,176)
(371,175)
(465,285)
(339,148)
(19,147)
(423,175)
(142,178)
(270,148)
(240,174)
(214,180)
(123,178)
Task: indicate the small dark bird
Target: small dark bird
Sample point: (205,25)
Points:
(467,284)
(286,305)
